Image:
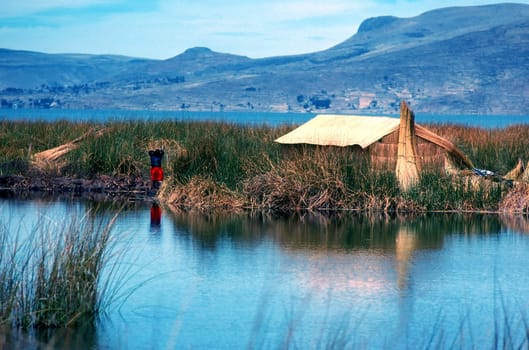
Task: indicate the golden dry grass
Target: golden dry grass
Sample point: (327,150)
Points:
(299,184)
(516,200)
(200,194)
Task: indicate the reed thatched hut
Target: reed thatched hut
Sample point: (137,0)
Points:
(392,143)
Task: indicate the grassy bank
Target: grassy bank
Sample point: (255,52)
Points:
(219,166)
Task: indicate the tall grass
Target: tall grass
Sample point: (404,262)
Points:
(438,192)
(495,149)
(19,140)
(241,167)
(52,276)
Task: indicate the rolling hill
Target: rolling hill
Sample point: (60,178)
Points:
(451,60)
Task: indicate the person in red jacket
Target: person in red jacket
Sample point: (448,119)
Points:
(156,167)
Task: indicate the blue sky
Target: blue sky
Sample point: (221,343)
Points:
(165,28)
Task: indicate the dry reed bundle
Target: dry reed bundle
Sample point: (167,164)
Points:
(430,150)
(48,159)
(524,177)
(200,194)
(516,172)
(407,169)
(299,185)
(516,200)
(447,145)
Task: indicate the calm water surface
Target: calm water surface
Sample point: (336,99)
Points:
(252,118)
(305,282)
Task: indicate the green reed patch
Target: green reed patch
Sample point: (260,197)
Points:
(438,192)
(52,276)
(246,163)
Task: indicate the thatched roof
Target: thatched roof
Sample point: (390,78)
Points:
(341,130)
(349,130)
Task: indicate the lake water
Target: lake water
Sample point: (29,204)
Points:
(307,282)
(252,118)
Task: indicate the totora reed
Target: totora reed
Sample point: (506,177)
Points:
(217,166)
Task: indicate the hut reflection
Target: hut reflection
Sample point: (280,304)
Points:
(384,246)
(405,245)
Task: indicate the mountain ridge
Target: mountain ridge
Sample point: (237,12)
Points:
(450,60)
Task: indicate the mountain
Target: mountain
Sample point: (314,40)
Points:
(451,60)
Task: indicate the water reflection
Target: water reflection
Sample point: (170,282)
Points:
(226,281)
(341,232)
(78,337)
(399,272)
(156,217)
(405,245)
(381,240)
(516,223)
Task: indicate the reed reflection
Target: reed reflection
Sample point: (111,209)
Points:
(373,243)
(516,223)
(84,336)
